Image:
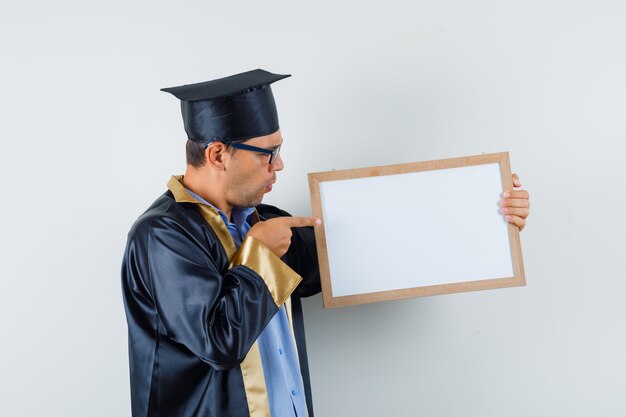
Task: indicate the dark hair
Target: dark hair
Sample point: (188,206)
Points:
(195,152)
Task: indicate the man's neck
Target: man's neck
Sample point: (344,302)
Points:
(194,181)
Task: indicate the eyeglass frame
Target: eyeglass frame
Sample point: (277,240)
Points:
(273,153)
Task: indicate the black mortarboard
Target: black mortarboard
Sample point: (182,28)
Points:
(229,109)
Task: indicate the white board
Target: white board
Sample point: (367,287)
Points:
(415,229)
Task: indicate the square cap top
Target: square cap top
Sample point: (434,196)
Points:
(225,87)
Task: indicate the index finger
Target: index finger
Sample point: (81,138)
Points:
(302,221)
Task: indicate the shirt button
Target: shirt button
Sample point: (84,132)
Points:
(294,392)
(280,351)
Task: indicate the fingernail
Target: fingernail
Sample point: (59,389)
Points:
(508,218)
(506,194)
(318,222)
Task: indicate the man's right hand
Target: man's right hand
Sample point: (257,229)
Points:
(276,233)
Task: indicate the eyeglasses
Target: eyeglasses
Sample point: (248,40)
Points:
(273,153)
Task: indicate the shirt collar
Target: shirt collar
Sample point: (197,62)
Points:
(183,195)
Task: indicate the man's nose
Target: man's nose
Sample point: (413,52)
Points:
(278,164)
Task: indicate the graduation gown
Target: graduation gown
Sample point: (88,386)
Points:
(195,306)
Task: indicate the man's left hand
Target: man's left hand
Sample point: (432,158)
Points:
(515,204)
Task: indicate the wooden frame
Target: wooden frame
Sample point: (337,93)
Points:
(487,247)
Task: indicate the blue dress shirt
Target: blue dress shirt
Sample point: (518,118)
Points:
(285,389)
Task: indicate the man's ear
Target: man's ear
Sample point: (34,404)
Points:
(214,154)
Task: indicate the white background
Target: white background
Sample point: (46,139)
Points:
(88,142)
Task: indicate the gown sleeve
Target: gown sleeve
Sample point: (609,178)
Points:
(216,314)
(302,253)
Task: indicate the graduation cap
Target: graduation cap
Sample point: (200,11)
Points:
(229,109)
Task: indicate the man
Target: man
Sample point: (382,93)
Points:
(212,279)
(213,330)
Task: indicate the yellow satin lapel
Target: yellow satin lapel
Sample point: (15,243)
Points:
(217,224)
(254,383)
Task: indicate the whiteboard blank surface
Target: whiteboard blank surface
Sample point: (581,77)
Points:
(462,202)
(431,227)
